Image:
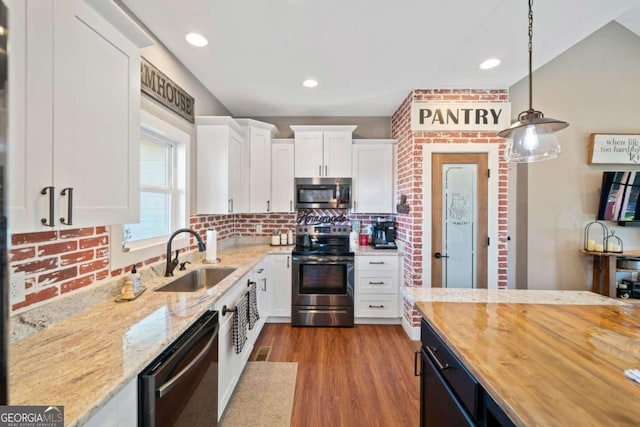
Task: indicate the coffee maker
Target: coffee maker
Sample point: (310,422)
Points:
(384,234)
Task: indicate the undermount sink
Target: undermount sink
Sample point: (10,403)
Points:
(202,278)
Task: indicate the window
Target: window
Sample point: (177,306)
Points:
(163,195)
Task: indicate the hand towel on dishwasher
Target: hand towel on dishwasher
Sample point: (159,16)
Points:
(252,315)
(240,324)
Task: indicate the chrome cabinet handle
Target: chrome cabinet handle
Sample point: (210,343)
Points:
(319,170)
(260,271)
(354,205)
(376,262)
(432,352)
(229,206)
(69,219)
(287,262)
(268,206)
(376,283)
(44,220)
(326,170)
(290,205)
(264,284)
(376,306)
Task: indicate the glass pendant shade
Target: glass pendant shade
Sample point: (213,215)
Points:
(532,138)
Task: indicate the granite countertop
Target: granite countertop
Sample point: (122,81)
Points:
(85,360)
(545,357)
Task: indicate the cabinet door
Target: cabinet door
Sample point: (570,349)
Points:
(120,411)
(308,155)
(279,285)
(96,111)
(237,173)
(260,170)
(373,178)
(337,154)
(212,170)
(282,180)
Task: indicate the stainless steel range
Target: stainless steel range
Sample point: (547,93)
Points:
(322,282)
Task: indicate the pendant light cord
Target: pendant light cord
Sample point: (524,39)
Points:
(530,55)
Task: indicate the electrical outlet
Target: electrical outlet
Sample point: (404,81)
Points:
(259,228)
(16,288)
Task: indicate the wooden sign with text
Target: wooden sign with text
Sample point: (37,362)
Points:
(614,148)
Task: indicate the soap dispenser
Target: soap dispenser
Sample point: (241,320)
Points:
(135,278)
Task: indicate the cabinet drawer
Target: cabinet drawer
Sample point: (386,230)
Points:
(377,282)
(377,262)
(376,305)
(463,384)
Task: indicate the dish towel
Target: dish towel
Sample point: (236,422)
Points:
(240,324)
(252,315)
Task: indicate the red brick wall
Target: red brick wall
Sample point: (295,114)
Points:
(410,176)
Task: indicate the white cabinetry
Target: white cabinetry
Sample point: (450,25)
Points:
(220,166)
(230,364)
(373,181)
(282,176)
(120,411)
(323,151)
(278,287)
(74,118)
(259,136)
(260,276)
(377,289)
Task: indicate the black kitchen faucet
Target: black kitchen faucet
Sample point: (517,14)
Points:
(171,265)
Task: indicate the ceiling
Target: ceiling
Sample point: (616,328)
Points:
(367,55)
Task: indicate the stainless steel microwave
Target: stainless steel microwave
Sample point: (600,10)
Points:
(323,193)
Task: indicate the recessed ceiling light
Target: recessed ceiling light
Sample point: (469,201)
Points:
(490,63)
(197,39)
(310,83)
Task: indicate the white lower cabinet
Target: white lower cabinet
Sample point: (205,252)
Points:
(377,286)
(120,411)
(260,276)
(278,287)
(230,364)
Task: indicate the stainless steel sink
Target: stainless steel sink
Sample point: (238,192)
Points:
(202,278)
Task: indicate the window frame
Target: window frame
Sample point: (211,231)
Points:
(151,248)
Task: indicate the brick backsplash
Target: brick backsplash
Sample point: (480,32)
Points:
(58,262)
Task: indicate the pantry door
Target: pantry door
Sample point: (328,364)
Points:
(459,220)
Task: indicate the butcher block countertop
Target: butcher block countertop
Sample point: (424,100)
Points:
(556,364)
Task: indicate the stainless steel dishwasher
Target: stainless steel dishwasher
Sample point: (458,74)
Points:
(180,387)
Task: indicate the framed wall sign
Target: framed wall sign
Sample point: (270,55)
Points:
(614,148)
(463,116)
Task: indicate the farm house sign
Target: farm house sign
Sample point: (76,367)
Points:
(481,116)
(161,88)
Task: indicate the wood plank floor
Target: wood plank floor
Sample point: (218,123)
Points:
(360,376)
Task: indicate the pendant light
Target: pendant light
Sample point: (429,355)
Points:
(532,138)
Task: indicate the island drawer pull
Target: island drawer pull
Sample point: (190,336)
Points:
(376,306)
(432,352)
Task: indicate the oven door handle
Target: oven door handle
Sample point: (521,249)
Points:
(171,383)
(322,260)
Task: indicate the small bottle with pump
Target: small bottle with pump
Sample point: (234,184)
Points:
(135,278)
(290,237)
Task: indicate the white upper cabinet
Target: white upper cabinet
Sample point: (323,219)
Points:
(220,166)
(282,179)
(323,151)
(259,136)
(373,184)
(74,118)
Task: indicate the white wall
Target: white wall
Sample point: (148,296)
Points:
(595,86)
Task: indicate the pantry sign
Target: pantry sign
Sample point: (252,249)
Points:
(485,116)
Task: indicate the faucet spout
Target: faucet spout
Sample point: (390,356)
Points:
(170,266)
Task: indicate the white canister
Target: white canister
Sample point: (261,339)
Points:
(290,237)
(275,240)
(283,239)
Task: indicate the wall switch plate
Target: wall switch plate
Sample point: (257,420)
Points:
(259,228)
(17,292)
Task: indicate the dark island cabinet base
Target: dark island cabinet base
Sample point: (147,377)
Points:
(449,395)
